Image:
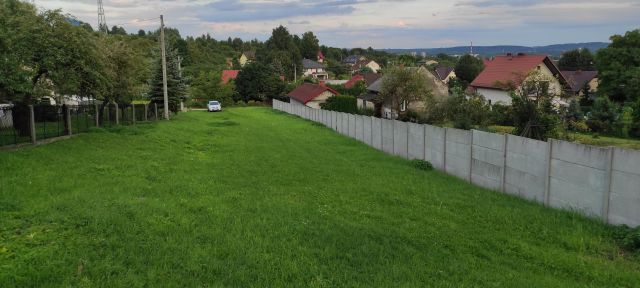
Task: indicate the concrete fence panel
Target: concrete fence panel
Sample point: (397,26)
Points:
(526,168)
(416,141)
(376,133)
(400,142)
(487,164)
(344,123)
(367,123)
(624,200)
(334,120)
(387,136)
(359,128)
(434,146)
(578,177)
(458,153)
(352,126)
(327,118)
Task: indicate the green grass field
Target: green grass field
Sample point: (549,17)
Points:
(254,197)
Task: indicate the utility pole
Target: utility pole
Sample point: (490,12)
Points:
(164,69)
(295,73)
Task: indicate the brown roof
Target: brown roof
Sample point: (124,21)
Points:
(307,92)
(442,72)
(511,69)
(578,79)
(251,55)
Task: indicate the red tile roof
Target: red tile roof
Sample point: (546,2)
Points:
(352,82)
(307,92)
(507,69)
(228,75)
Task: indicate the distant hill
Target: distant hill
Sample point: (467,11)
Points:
(488,51)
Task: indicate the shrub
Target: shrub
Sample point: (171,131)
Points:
(422,165)
(629,238)
(501,115)
(366,111)
(342,103)
(604,114)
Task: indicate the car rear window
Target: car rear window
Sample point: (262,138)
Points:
(214,103)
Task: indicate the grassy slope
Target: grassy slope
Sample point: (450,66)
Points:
(251,197)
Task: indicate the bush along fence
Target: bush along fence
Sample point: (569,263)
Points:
(598,182)
(33,123)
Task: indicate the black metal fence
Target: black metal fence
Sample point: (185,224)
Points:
(23,124)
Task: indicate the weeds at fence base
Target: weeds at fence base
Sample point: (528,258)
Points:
(422,165)
(628,238)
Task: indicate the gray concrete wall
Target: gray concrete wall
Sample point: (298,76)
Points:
(416,141)
(487,164)
(387,135)
(359,128)
(526,168)
(578,177)
(352,126)
(600,182)
(376,133)
(400,134)
(367,133)
(434,146)
(624,199)
(458,153)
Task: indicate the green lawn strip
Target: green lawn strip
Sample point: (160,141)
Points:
(255,197)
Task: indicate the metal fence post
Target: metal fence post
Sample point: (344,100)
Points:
(32,124)
(155,106)
(133,114)
(117,114)
(97,116)
(67,115)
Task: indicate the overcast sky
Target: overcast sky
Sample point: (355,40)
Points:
(377,23)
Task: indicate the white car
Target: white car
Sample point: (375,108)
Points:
(214,106)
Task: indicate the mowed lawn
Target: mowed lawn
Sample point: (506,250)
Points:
(251,197)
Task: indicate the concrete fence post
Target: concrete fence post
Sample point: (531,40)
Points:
(32,124)
(607,192)
(444,151)
(97,115)
(155,107)
(117,114)
(547,188)
(503,185)
(471,157)
(133,114)
(67,116)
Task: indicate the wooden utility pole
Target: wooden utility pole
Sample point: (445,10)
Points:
(164,69)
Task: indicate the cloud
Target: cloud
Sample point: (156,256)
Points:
(377,23)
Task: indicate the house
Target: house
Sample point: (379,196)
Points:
(582,81)
(506,73)
(314,69)
(311,95)
(350,60)
(445,74)
(362,64)
(371,98)
(426,62)
(368,78)
(228,75)
(247,57)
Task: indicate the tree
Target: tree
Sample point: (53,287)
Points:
(309,46)
(258,82)
(619,68)
(176,87)
(141,33)
(281,53)
(603,115)
(115,30)
(466,110)
(532,110)
(578,59)
(467,69)
(207,86)
(401,86)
